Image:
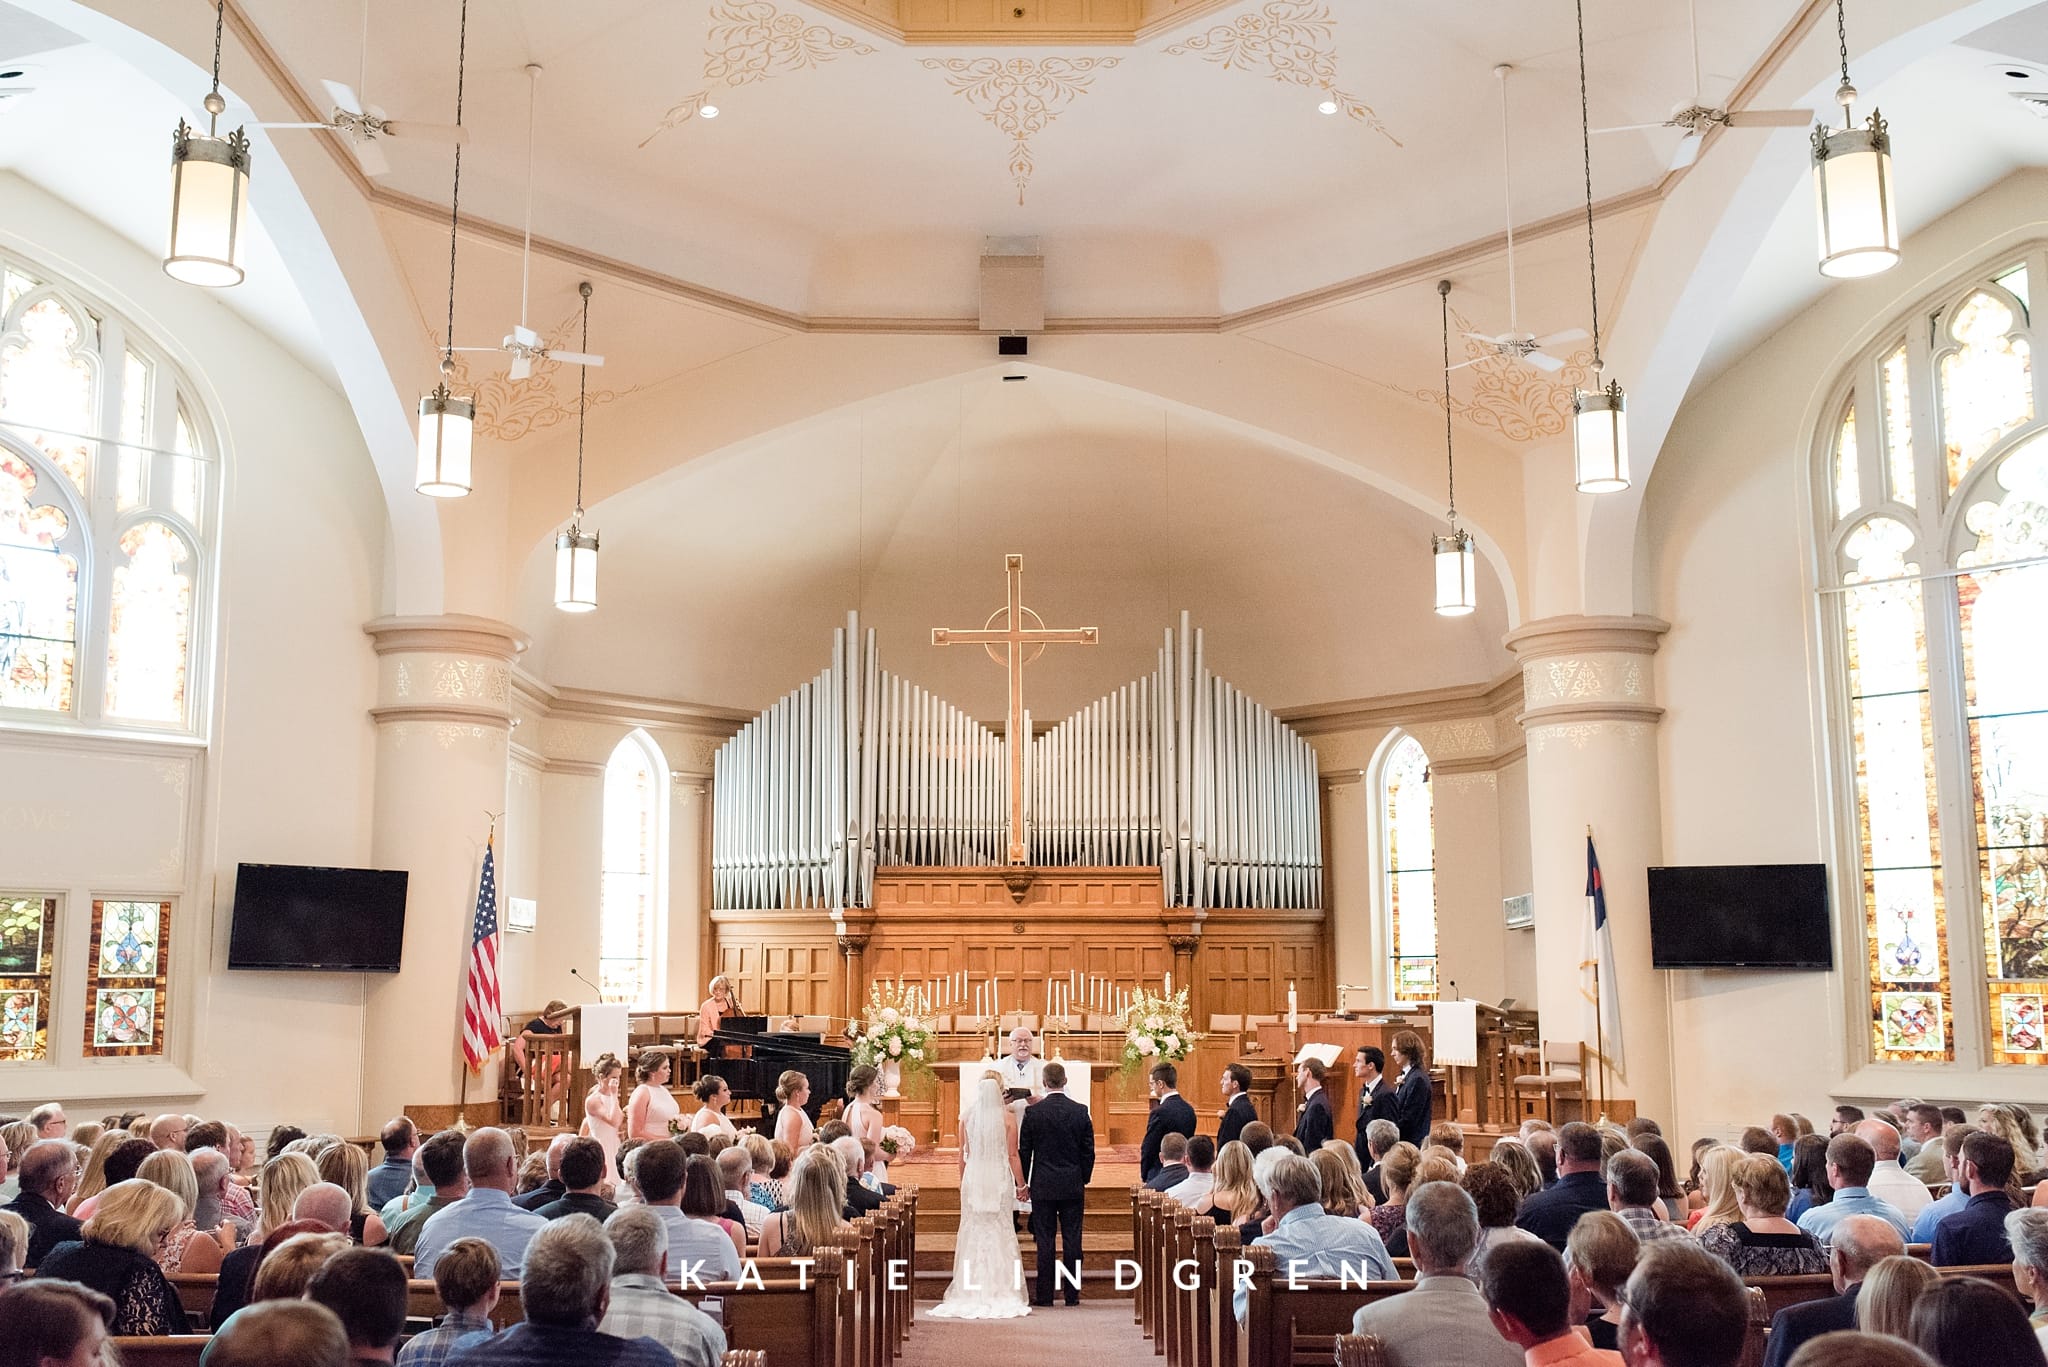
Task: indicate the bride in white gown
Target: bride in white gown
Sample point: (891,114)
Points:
(987,1281)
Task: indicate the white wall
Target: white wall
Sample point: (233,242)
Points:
(287,775)
(1743,748)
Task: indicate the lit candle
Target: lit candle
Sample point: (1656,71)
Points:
(1291,1018)
(995,999)
(980,991)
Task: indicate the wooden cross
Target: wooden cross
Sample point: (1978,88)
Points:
(1006,628)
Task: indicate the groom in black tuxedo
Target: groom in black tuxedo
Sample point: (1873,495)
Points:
(1056,1144)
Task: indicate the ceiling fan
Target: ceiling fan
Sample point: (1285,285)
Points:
(1698,117)
(361,126)
(1515,344)
(522,343)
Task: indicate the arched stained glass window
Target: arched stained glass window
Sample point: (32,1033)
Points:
(1408,837)
(105,478)
(1938,583)
(38,593)
(630,895)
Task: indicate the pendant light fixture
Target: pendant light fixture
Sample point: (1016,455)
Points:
(1599,416)
(448,420)
(1457,571)
(576,549)
(209,191)
(1852,184)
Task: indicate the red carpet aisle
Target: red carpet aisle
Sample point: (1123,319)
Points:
(1093,1331)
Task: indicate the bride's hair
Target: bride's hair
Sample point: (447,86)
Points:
(991,1075)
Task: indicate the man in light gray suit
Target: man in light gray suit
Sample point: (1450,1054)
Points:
(1445,1318)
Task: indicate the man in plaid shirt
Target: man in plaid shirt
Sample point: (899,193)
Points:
(642,1305)
(1632,1191)
(642,1300)
(467,1278)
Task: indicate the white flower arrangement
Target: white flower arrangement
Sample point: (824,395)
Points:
(1156,1028)
(895,1027)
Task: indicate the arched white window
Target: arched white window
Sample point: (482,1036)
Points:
(1408,862)
(1935,490)
(630,895)
(105,479)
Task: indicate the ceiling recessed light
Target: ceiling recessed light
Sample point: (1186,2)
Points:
(2019,73)
(709,111)
(1328,106)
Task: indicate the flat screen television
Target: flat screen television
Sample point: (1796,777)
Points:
(288,916)
(1741,916)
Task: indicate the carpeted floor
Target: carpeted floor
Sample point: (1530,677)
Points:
(1093,1331)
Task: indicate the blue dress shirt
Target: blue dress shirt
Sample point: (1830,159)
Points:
(387,1180)
(1310,1243)
(1820,1222)
(1931,1217)
(487,1214)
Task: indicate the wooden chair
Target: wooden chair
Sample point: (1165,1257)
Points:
(1561,1077)
(1360,1350)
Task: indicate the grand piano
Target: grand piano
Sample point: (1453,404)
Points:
(750,1058)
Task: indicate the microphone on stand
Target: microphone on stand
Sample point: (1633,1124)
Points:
(587,983)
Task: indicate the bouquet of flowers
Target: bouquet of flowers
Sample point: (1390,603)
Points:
(897,1141)
(894,1028)
(1156,1029)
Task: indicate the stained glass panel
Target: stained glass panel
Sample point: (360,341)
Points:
(1898,427)
(2015,280)
(38,595)
(1899,828)
(129,962)
(1986,383)
(1848,475)
(1411,871)
(149,629)
(28,933)
(2019,1033)
(46,387)
(626,909)
(134,462)
(2006,697)
(187,472)
(16,286)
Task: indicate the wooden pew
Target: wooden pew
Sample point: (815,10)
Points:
(1141,1253)
(171,1350)
(1225,1250)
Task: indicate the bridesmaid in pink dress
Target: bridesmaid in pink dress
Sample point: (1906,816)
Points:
(650,1108)
(602,1112)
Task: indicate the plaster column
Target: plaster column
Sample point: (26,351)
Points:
(444,728)
(686,979)
(1347,886)
(1590,717)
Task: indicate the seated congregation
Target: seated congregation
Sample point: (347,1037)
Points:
(1913,1236)
(167,1241)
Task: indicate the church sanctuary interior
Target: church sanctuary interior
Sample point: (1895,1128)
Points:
(1233,662)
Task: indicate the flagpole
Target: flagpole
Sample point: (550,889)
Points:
(1599,1012)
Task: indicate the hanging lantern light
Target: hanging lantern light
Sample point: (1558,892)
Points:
(448,420)
(447,436)
(1456,568)
(576,549)
(209,191)
(1852,185)
(1599,415)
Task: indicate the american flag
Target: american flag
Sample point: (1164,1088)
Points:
(480,1001)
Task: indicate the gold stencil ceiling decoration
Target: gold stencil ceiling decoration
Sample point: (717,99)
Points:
(1518,401)
(1020,96)
(752,41)
(510,410)
(1293,42)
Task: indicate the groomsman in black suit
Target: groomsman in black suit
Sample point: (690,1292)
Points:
(1316,1123)
(1237,1104)
(1171,1115)
(1056,1144)
(1375,1094)
(1411,1092)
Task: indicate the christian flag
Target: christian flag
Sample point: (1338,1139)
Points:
(480,1005)
(1603,1008)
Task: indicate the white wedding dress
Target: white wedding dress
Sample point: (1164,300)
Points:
(987,1278)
